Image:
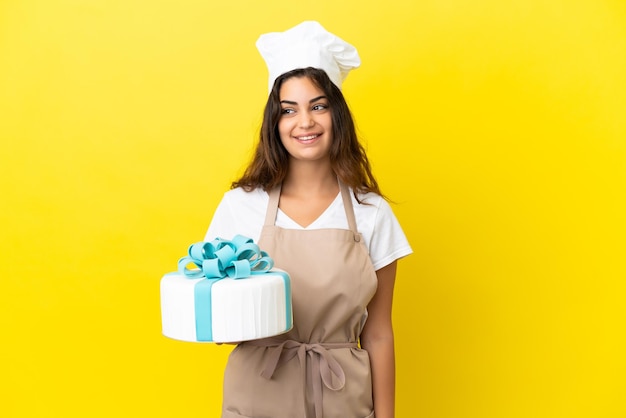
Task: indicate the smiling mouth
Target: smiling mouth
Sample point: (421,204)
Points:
(307,137)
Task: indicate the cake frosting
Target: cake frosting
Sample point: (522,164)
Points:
(231,293)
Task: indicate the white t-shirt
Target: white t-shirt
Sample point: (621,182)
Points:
(243,213)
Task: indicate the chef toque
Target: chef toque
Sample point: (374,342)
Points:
(307,45)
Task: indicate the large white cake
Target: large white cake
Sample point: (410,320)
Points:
(231,294)
(232,310)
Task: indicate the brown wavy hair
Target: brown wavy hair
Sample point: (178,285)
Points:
(348,159)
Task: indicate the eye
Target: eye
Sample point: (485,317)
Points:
(320,106)
(287,111)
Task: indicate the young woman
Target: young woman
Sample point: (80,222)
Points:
(310,200)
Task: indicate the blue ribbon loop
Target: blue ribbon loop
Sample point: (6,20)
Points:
(220,258)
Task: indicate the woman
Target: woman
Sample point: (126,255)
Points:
(310,200)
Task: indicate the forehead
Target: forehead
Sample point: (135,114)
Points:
(299,88)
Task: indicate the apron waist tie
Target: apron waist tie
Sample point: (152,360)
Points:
(317,364)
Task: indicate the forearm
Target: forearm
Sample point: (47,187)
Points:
(382,360)
(377,339)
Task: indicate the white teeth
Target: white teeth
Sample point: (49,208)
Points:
(306,138)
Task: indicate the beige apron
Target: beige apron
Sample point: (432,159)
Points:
(316,370)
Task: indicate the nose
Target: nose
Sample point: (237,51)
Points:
(306,120)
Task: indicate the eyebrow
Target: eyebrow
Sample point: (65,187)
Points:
(310,101)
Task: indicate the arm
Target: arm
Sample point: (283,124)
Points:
(377,339)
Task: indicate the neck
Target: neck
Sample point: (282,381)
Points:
(310,177)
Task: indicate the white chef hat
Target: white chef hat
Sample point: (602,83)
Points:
(307,45)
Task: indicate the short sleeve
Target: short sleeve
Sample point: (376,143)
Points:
(388,242)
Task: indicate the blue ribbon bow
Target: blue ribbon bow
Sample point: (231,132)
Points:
(220,258)
(215,260)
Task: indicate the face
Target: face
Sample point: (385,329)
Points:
(305,124)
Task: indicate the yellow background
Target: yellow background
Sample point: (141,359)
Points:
(498,128)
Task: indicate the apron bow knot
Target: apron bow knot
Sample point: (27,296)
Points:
(317,364)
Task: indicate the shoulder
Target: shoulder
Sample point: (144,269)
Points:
(369,204)
(239,195)
(368,198)
(240,200)
(372,211)
(239,212)
(382,232)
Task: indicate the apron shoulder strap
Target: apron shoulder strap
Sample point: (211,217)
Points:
(272,206)
(347,205)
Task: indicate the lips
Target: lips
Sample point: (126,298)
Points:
(307,138)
